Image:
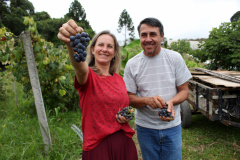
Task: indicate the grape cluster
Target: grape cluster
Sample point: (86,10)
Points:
(126,112)
(79,44)
(163,112)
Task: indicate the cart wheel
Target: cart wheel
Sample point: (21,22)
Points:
(186,114)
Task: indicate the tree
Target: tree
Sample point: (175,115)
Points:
(181,46)
(78,14)
(222,47)
(49,29)
(4,9)
(76,11)
(40,16)
(125,22)
(25,5)
(235,17)
(13,19)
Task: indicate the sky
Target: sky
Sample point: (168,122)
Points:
(182,19)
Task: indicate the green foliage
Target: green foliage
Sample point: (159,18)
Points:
(192,64)
(235,17)
(181,46)
(12,20)
(13,15)
(76,12)
(25,6)
(4,9)
(125,21)
(55,72)
(222,47)
(49,29)
(41,16)
(128,52)
(198,54)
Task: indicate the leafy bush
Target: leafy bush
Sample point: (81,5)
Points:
(181,46)
(128,52)
(55,72)
(222,47)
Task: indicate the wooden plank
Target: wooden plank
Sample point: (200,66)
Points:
(230,73)
(200,84)
(217,81)
(193,72)
(220,75)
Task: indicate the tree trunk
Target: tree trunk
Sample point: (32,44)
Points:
(32,70)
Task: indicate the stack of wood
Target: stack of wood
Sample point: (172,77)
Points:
(217,79)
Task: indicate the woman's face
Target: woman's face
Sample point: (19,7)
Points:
(104,50)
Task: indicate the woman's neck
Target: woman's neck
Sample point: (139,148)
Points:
(104,70)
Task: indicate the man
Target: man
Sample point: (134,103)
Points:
(155,78)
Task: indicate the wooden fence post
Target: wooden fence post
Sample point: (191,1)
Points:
(33,73)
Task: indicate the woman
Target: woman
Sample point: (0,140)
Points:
(102,93)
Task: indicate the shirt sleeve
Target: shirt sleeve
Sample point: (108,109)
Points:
(182,72)
(78,86)
(129,79)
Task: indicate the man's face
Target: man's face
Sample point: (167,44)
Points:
(150,39)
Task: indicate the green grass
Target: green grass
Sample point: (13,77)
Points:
(20,136)
(210,140)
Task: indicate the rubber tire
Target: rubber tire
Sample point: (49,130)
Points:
(186,114)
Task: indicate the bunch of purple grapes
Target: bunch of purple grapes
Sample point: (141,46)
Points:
(163,112)
(126,112)
(79,44)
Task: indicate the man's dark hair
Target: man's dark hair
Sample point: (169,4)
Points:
(151,22)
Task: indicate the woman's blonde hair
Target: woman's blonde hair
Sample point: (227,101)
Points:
(115,63)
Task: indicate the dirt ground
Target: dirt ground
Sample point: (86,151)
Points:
(137,144)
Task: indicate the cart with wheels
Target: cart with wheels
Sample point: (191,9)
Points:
(215,94)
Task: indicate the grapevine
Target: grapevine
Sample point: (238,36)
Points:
(79,44)
(53,64)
